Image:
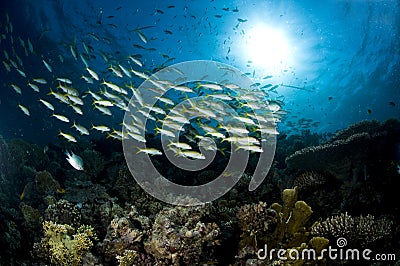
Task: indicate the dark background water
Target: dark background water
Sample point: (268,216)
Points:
(343,56)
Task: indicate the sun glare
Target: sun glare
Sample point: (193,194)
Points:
(267,48)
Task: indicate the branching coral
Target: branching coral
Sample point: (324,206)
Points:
(63,212)
(62,245)
(255,221)
(360,230)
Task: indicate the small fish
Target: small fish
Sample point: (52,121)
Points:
(77,109)
(34,87)
(114,87)
(182,88)
(75,99)
(61,118)
(59,96)
(92,73)
(251,148)
(74,160)
(126,72)
(116,71)
(81,129)
(24,109)
(47,104)
(22,73)
(180,145)
(142,36)
(84,60)
(150,151)
(241,20)
(136,61)
(165,132)
(30,46)
(7,66)
(87,79)
(101,128)
(369,111)
(103,103)
(68,137)
(94,95)
(49,68)
(65,80)
(16,88)
(166,100)
(191,154)
(392,104)
(73,52)
(40,80)
(137,137)
(103,109)
(211,86)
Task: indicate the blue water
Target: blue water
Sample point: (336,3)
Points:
(342,59)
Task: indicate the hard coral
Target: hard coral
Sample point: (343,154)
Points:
(360,230)
(348,154)
(288,223)
(46,184)
(63,212)
(62,245)
(179,236)
(125,234)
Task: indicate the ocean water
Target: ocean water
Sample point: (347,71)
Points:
(78,75)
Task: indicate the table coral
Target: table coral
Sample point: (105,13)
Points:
(349,153)
(359,230)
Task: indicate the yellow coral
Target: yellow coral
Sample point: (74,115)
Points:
(62,246)
(128,258)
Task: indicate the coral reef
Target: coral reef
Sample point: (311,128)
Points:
(349,154)
(125,236)
(46,184)
(135,229)
(63,212)
(128,258)
(360,230)
(94,162)
(256,222)
(308,179)
(179,236)
(280,226)
(62,245)
(338,158)
(31,215)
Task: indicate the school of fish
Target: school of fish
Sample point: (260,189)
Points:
(110,90)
